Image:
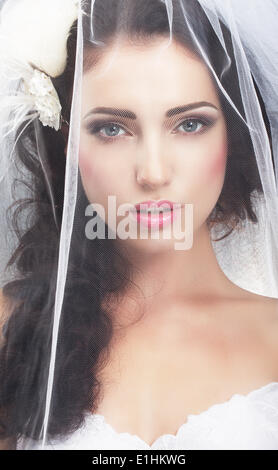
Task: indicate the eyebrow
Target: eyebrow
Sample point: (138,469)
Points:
(125,113)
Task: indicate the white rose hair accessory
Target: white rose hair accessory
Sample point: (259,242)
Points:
(46,100)
(33,39)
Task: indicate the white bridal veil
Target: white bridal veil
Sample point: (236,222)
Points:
(53,274)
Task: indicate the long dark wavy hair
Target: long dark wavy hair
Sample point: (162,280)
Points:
(97,269)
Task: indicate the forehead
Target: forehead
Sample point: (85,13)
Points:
(154,73)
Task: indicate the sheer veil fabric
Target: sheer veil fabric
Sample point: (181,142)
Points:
(54,271)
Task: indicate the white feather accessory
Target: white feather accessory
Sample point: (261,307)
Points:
(36,32)
(33,40)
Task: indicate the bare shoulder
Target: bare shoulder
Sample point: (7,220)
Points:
(269,313)
(263,311)
(266,311)
(252,321)
(271,308)
(265,314)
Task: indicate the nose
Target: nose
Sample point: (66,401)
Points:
(153,169)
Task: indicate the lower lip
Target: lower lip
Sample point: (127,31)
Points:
(158,220)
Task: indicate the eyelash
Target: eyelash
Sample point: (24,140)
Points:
(96,126)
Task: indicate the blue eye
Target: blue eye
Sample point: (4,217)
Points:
(112,130)
(193,126)
(106,131)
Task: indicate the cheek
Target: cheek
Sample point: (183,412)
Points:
(98,177)
(85,165)
(93,168)
(91,175)
(216,165)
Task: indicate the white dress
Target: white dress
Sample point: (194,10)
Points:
(246,422)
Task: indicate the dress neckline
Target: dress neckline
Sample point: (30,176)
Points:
(101,418)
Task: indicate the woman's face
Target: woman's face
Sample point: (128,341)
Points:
(172,142)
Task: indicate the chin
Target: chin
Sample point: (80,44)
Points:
(150,246)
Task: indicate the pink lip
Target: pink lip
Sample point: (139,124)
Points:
(145,204)
(158,220)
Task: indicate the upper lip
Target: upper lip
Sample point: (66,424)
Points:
(152,203)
